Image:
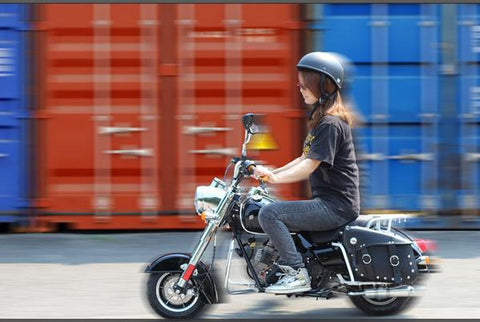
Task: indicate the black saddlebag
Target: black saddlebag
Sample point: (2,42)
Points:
(380,256)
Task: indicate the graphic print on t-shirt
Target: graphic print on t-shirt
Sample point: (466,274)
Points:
(308,143)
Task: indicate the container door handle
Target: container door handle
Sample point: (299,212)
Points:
(413,157)
(3,155)
(204,129)
(371,157)
(133,152)
(472,157)
(221,151)
(116,130)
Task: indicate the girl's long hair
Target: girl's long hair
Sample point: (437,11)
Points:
(333,106)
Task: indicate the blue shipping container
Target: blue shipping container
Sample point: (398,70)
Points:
(468,97)
(399,161)
(396,58)
(13,111)
(394,48)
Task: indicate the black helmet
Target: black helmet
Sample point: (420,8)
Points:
(325,63)
(348,70)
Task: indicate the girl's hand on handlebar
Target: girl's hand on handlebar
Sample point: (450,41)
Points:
(264,174)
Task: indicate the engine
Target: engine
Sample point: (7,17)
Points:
(263,255)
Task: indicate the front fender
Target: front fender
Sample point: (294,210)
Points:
(172,263)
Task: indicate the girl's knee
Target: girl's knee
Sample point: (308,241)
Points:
(267,213)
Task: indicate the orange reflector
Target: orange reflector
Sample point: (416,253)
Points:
(427,260)
(203,216)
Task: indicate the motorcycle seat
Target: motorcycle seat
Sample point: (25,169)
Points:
(325,236)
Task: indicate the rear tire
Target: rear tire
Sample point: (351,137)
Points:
(384,306)
(166,303)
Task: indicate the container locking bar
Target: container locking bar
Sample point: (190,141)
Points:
(133,152)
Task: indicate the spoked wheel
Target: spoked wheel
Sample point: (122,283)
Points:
(380,305)
(167,303)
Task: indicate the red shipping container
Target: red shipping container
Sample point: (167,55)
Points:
(140,103)
(235,59)
(100,120)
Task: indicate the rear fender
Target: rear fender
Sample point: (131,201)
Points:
(203,276)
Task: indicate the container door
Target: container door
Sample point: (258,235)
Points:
(101,110)
(469,106)
(233,60)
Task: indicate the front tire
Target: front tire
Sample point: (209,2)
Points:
(166,303)
(380,306)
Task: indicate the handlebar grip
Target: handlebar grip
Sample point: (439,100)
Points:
(249,166)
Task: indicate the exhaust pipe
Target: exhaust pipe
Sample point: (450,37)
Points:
(402,291)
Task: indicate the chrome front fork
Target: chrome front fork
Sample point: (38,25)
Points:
(209,231)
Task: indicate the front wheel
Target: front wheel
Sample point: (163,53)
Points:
(166,303)
(381,305)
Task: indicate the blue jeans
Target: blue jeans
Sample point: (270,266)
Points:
(279,218)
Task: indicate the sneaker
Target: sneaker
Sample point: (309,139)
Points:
(291,281)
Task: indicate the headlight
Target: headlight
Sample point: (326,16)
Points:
(207,198)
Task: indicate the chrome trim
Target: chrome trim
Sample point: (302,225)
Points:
(345,257)
(377,221)
(228,282)
(343,281)
(248,136)
(393,257)
(236,170)
(421,261)
(423,267)
(402,291)
(200,248)
(242,205)
(368,259)
(207,199)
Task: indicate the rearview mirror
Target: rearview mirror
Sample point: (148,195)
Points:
(249,123)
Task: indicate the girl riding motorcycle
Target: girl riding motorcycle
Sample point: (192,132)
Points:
(328,160)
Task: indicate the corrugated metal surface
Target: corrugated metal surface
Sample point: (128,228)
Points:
(141,103)
(395,54)
(234,59)
(100,132)
(468,97)
(13,111)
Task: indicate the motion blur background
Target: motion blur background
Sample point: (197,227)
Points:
(112,114)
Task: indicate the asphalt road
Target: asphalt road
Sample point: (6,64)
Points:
(101,276)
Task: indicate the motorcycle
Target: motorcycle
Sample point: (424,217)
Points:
(378,266)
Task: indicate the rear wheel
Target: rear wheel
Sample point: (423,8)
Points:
(167,303)
(380,305)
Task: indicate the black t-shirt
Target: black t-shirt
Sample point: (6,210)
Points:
(336,178)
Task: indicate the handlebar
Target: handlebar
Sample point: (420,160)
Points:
(250,167)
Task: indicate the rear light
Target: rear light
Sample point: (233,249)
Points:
(425,245)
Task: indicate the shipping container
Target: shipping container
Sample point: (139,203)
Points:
(396,66)
(468,98)
(399,159)
(14,113)
(99,118)
(140,103)
(235,59)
